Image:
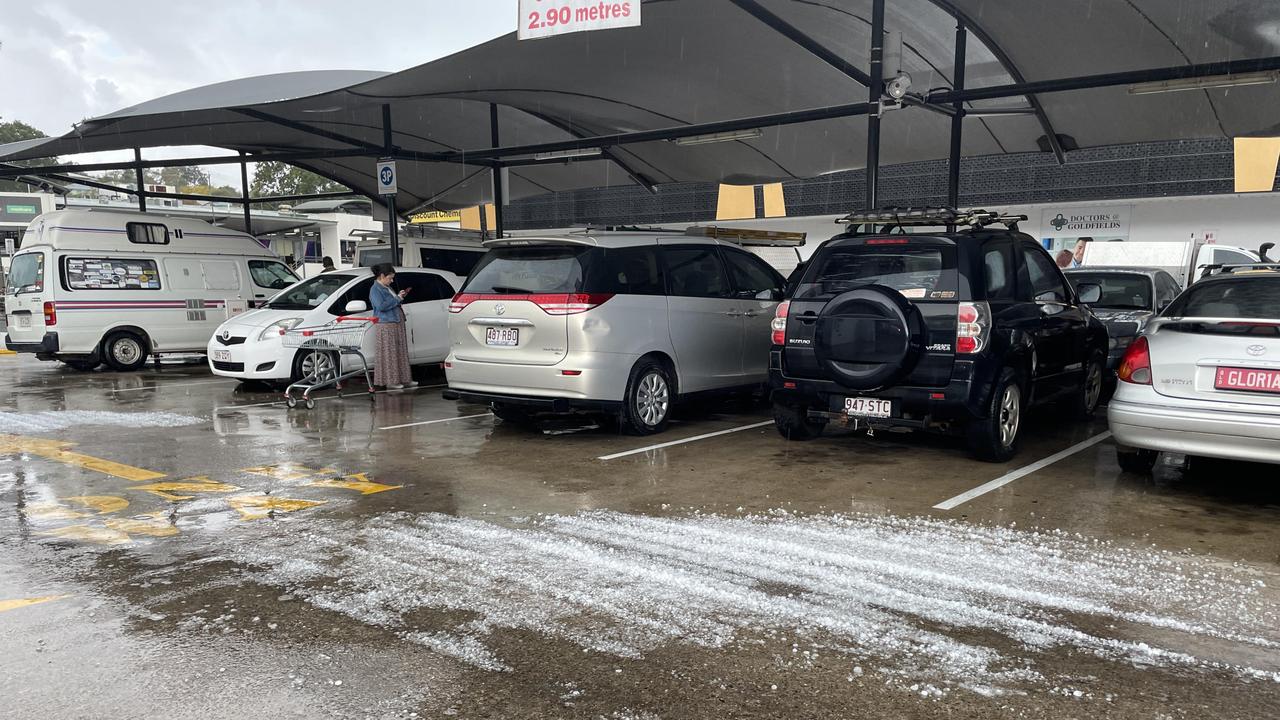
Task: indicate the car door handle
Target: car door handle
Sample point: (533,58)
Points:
(734,313)
(750,313)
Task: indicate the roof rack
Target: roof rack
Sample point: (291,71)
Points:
(749,237)
(930,216)
(1224,269)
(628,228)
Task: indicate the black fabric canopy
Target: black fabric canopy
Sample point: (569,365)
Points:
(702,61)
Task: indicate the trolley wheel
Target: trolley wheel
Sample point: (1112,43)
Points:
(291,402)
(311,404)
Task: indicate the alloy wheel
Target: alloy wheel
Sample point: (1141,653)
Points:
(652,399)
(1093,386)
(1010,415)
(319,365)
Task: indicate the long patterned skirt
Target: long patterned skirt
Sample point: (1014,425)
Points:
(392,366)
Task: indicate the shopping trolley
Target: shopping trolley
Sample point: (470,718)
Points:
(327,345)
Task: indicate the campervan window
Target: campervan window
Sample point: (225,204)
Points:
(375,256)
(147,233)
(89,273)
(221,275)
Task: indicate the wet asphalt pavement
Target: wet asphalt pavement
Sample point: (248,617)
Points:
(176,545)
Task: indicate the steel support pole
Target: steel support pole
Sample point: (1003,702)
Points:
(393,222)
(137,178)
(957,120)
(244,193)
(875,91)
(496,172)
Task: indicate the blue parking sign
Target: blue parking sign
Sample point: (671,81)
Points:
(387,177)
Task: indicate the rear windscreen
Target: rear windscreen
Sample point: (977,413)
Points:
(1120,291)
(1252,298)
(26,274)
(918,272)
(568,269)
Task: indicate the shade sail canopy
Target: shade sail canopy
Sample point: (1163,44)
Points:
(705,61)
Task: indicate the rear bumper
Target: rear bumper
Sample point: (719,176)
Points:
(1139,420)
(534,403)
(913,407)
(602,379)
(48,345)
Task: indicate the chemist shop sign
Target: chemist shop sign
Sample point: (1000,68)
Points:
(545,18)
(1110,222)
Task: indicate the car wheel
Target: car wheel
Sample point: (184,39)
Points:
(646,407)
(1088,396)
(321,365)
(995,437)
(793,423)
(1138,462)
(82,365)
(512,415)
(124,351)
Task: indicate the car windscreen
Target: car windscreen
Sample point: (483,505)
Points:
(309,293)
(1120,291)
(26,274)
(919,272)
(1252,298)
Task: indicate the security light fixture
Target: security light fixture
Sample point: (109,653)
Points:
(897,87)
(1205,83)
(720,137)
(568,154)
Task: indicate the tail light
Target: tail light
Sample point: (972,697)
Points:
(973,321)
(1135,366)
(549,303)
(50,313)
(779,324)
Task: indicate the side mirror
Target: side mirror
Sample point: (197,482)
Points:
(1089,293)
(356,306)
(769,295)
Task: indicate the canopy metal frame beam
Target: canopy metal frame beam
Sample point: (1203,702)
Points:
(875,93)
(798,36)
(957,120)
(496,172)
(312,130)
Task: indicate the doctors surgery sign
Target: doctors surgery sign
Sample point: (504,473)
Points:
(545,18)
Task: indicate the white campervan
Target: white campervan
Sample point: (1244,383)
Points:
(453,251)
(93,286)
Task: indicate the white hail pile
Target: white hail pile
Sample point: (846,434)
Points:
(883,588)
(38,422)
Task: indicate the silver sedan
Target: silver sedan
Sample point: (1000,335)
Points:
(1204,379)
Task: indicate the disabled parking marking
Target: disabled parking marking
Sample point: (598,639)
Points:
(56,450)
(257,507)
(102,503)
(287,471)
(1022,472)
(695,438)
(89,533)
(7,605)
(200,484)
(433,422)
(53,511)
(155,524)
(359,482)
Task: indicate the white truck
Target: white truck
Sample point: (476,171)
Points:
(1184,260)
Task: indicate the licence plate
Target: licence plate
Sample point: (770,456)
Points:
(503,337)
(868,407)
(24,321)
(222,356)
(1247,379)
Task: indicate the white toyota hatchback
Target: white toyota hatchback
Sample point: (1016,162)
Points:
(1204,379)
(248,346)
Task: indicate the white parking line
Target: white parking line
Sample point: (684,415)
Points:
(433,422)
(218,409)
(173,385)
(1007,478)
(695,438)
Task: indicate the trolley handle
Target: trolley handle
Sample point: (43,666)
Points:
(356,318)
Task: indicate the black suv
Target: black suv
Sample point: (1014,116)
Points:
(953,331)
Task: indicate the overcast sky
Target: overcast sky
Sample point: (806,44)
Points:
(66,60)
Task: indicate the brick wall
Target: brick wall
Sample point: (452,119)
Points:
(1189,167)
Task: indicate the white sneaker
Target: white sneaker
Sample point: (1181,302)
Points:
(395,387)
(412,384)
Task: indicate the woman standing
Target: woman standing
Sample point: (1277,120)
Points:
(392,365)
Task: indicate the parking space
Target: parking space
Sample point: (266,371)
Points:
(578,571)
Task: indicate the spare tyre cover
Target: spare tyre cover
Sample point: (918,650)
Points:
(869,337)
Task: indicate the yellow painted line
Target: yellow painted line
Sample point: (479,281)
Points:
(7,605)
(358,482)
(287,471)
(170,490)
(53,511)
(102,503)
(56,450)
(153,524)
(256,507)
(88,533)
(7,352)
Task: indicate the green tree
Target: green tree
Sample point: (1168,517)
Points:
(277,178)
(15,131)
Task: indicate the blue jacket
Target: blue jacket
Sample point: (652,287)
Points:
(385,304)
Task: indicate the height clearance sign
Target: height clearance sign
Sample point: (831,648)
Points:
(544,18)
